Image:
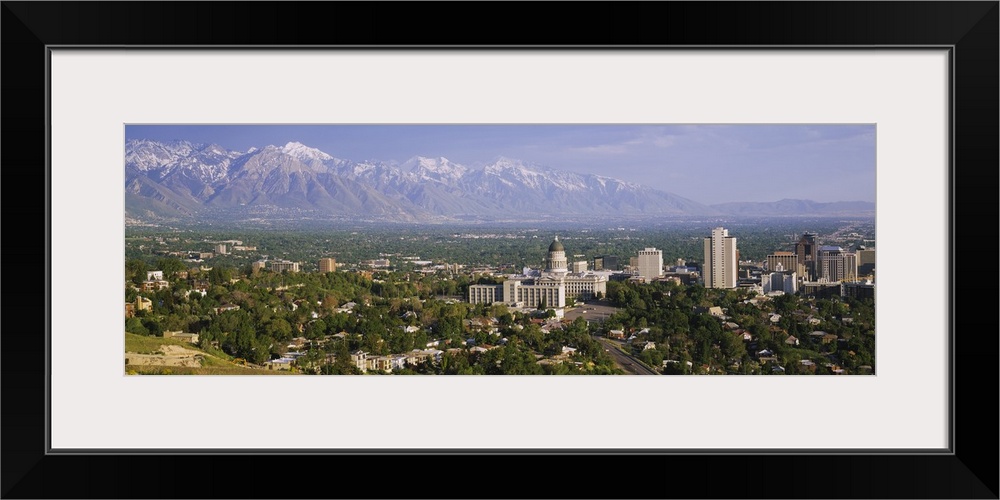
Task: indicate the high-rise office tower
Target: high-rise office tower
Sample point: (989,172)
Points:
(327,265)
(866,261)
(834,264)
(806,250)
(720,267)
(650,263)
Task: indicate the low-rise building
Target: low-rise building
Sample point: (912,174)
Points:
(360,360)
(179,335)
(155,285)
(143,304)
(226,307)
(379,363)
(283,265)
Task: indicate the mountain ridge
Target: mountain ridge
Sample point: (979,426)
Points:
(182,178)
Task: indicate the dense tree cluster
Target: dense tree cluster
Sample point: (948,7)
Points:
(392,313)
(827,333)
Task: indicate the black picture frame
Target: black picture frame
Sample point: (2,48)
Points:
(969,28)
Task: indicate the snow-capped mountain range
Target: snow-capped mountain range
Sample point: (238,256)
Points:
(182,179)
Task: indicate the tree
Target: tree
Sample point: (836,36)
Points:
(342,364)
(220,275)
(153,326)
(134,325)
(279,329)
(315,329)
(135,270)
(170,266)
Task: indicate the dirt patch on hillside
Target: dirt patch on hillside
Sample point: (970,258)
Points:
(169,355)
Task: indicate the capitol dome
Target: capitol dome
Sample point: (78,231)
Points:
(556,246)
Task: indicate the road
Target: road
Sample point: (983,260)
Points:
(596,311)
(628,363)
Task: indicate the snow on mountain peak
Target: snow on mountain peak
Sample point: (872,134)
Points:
(303,152)
(434,168)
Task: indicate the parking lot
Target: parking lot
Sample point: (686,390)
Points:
(594,311)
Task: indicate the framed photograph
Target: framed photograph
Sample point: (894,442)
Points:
(920,97)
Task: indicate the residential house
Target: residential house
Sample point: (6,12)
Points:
(143,304)
(379,363)
(766,355)
(398,362)
(226,307)
(360,360)
(155,285)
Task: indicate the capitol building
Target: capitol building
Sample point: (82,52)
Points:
(550,287)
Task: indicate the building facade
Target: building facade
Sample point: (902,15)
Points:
(649,263)
(779,281)
(327,265)
(485,294)
(283,265)
(859,290)
(551,287)
(606,262)
(866,261)
(721,267)
(535,293)
(834,264)
(806,250)
(787,260)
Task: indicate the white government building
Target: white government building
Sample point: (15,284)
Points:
(551,287)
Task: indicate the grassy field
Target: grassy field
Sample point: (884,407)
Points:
(215,370)
(142,344)
(214,361)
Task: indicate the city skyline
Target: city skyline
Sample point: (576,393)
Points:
(761,163)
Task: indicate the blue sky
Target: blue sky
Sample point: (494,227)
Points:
(706,163)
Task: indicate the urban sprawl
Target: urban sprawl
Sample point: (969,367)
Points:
(806,309)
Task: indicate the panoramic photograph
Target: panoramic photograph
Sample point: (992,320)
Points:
(522,249)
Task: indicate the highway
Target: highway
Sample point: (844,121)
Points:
(596,311)
(629,364)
